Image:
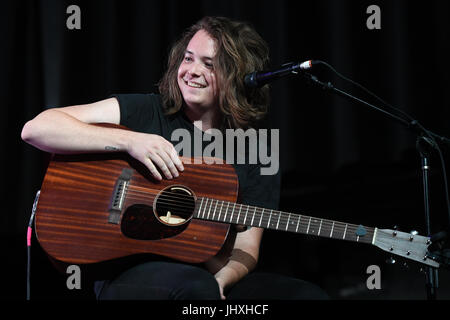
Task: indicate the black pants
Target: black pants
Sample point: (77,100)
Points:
(174,281)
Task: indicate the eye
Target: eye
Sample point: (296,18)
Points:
(187,59)
(209,65)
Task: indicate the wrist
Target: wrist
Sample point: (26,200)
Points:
(122,141)
(227,277)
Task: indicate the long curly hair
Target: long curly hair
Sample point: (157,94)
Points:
(240,50)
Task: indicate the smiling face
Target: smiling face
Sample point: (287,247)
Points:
(196,77)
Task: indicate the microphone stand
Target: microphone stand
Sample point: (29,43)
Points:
(423,145)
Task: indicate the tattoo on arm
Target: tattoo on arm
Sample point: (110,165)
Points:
(111,148)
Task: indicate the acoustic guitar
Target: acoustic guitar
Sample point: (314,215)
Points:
(98,207)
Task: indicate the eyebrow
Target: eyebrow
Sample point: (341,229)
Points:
(204,57)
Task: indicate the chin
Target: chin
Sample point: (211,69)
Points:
(196,104)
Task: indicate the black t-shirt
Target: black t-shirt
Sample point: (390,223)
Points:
(144,113)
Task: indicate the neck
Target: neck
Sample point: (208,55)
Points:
(204,119)
(240,214)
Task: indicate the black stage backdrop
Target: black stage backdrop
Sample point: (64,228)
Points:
(339,160)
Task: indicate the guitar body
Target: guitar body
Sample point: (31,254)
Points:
(85,215)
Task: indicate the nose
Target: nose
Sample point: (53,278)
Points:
(194,70)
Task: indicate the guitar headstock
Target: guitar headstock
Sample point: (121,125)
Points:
(408,245)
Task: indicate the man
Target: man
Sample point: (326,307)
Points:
(202,89)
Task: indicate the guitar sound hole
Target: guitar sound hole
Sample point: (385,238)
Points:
(170,215)
(174,205)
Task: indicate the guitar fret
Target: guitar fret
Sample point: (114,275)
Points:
(345,231)
(212,201)
(287,225)
(260,219)
(245,218)
(210,210)
(201,203)
(278,222)
(220,211)
(231,217)
(268,222)
(254,212)
(237,220)
(210,206)
(375,231)
(206,204)
(226,211)
(215,208)
(307,229)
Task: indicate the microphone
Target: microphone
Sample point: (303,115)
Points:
(259,78)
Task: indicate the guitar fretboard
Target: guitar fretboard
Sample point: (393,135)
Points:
(229,212)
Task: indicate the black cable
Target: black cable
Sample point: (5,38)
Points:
(29,234)
(412,124)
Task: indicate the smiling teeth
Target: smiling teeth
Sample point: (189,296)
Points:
(194,85)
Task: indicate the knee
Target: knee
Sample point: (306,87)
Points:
(277,287)
(201,287)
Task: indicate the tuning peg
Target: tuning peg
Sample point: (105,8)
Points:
(395,231)
(412,234)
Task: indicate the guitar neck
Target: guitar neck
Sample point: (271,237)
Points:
(229,212)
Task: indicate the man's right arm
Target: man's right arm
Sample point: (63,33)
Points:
(70,130)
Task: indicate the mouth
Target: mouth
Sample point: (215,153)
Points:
(194,84)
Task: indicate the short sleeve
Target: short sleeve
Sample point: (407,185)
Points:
(137,111)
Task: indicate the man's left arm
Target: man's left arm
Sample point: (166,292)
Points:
(244,258)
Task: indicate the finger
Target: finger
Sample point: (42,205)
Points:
(148,162)
(169,163)
(175,158)
(161,165)
(173,154)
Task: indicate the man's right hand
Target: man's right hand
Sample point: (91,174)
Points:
(155,151)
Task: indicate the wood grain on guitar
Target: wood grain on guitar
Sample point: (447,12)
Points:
(72,218)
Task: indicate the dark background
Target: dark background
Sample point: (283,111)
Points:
(339,160)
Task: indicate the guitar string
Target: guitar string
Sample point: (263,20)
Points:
(326,225)
(167,195)
(349,233)
(282,218)
(170,197)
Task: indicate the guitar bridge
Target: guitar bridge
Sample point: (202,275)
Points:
(118,196)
